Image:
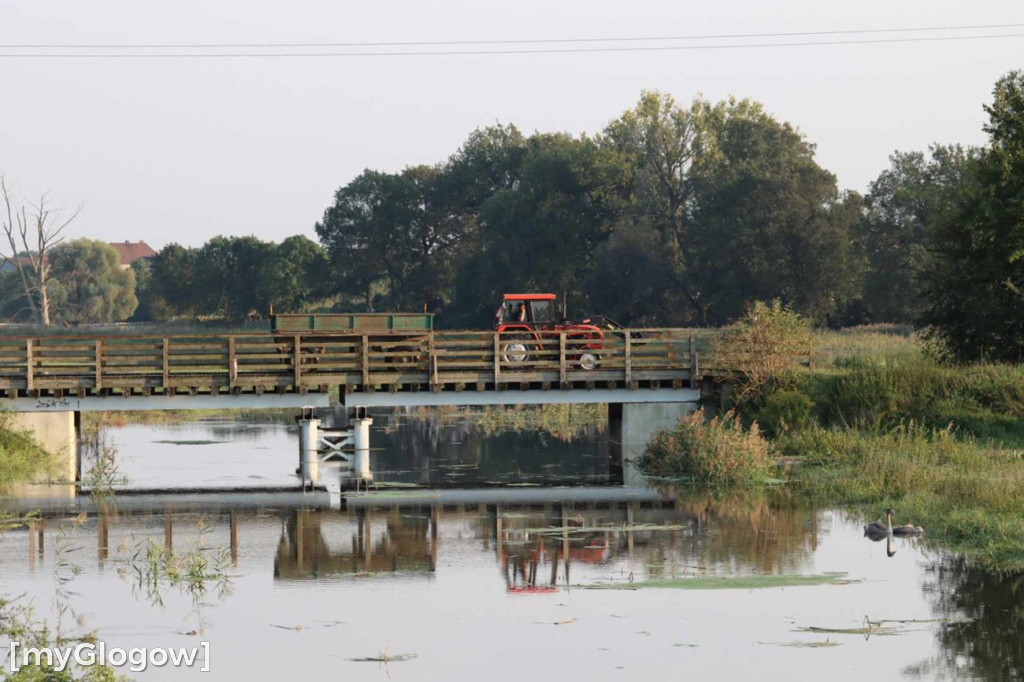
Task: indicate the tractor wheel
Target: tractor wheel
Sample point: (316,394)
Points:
(589,360)
(517,350)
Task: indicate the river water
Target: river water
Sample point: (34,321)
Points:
(477,572)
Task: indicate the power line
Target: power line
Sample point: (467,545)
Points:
(537,41)
(430,53)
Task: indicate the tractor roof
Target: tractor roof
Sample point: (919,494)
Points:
(529,297)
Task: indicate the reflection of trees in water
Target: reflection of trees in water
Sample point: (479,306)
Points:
(744,534)
(563,422)
(755,531)
(449,451)
(985,636)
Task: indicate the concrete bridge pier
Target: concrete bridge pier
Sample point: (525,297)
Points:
(361,436)
(634,424)
(309,445)
(57,433)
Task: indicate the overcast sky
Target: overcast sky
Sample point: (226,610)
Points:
(167,150)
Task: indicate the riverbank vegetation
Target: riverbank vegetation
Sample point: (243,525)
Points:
(21,458)
(886,426)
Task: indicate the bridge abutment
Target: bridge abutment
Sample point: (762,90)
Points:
(58,434)
(634,424)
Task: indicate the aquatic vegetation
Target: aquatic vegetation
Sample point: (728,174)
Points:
(734,582)
(384,657)
(196,570)
(719,453)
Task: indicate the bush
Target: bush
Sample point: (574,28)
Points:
(717,453)
(21,459)
(768,341)
(785,410)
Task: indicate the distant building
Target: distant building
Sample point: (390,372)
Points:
(8,266)
(129,252)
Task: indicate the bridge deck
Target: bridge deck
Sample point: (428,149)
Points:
(254,363)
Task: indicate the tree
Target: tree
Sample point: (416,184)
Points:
(543,233)
(768,222)
(393,233)
(974,289)
(905,204)
(660,148)
(170,290)
(94,286)
(227,277)
(294,274)
(30,237)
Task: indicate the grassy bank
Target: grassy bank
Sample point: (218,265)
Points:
(944,446)
(968,496)
(881,425)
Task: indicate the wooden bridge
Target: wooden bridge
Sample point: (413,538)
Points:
(55,369)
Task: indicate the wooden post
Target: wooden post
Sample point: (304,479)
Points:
(629,357)
(29,362)
(99,364)
(432,363)
(167,362)
(561,358)
(297,359)
(497,359)
(232,363)
(366,360)
(694,368)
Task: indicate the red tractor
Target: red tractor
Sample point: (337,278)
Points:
(530,325)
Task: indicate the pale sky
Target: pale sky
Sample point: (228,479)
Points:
(168,150)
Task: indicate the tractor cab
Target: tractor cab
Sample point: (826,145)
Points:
(534,310)
(531,329)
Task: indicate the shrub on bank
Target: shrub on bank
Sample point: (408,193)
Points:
(719,453)
(980,401)
(21,459)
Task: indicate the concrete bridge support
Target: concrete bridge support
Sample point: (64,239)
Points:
(634,424)
(309,445)
(57,433)
(361,462)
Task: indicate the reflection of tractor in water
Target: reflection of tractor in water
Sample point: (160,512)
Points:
(530,326)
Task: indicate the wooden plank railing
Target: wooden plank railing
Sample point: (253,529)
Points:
(316,361)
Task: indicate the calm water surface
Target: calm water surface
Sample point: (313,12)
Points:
(493,582)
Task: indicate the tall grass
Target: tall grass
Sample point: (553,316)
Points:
(719,453)
(979,401)
(967,495)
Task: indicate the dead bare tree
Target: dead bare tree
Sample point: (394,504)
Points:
(44,226)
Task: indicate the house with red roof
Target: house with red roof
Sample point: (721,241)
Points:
(129,252)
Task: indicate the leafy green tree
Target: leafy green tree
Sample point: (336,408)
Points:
(393,230)
(227,277)
(294,274)
(543,233)
(660,148)
(905,204)
(974,290)
(169,290)
(768,222)
(95,288)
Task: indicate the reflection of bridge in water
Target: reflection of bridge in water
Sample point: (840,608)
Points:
(538,541)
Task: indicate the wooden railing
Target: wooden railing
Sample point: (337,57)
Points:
(357,362)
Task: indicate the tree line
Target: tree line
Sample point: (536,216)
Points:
(672,215)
